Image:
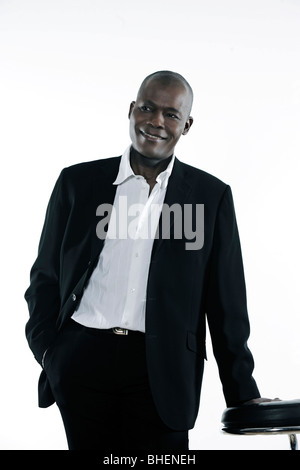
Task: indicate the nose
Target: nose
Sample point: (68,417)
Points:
(156,120)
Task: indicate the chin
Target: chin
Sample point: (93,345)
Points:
(149,154)
(152,153)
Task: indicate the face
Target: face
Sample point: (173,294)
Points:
(158,118)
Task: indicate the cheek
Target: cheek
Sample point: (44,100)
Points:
(175,127)
(176,133)
(132,128)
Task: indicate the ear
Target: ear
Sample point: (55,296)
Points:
(188,125)
(131,108)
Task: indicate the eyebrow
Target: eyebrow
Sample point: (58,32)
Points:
(151,103)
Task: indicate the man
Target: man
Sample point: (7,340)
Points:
(117,316)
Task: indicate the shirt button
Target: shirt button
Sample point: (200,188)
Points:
(73,297)
(132,290)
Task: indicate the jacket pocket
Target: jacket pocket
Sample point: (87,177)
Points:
(48,353)
(47,357)
(196,344)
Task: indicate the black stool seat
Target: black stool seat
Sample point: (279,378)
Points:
(262,418)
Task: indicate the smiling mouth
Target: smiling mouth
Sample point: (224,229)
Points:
(152,137)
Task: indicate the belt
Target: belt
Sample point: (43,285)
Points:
(120,331)
(124,332)
(98,331)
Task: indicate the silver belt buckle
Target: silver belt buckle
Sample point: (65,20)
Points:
(120,331)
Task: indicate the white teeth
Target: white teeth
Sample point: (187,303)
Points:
(155,137)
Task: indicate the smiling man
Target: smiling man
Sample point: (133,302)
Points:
(118,324)
(160,115)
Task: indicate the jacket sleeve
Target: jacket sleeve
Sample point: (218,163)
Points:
(43,294)
(226,308)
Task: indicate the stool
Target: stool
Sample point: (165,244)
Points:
(274,417)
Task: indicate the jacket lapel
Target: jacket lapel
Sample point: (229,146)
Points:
(178,190)
(103,193)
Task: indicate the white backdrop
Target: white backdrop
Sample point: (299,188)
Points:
(68,71)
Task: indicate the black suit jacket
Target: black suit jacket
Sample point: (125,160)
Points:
(184,287)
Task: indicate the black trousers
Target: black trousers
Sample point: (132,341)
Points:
(100,384)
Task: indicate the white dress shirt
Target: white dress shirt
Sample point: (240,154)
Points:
(116,293)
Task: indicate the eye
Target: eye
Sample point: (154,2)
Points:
(145,109)
(172,116)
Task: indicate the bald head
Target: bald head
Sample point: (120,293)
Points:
(166,78)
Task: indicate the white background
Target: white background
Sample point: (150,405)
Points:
(68,71)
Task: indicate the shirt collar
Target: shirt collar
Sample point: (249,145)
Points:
(126,172)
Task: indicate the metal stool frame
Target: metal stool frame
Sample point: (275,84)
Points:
(291,431)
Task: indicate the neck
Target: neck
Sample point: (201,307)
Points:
(147,167)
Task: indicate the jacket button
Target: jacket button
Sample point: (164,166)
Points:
(73,297)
